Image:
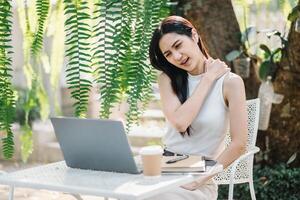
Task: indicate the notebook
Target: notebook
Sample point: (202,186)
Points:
(183,163)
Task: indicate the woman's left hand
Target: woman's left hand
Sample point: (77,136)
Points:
(191,186)
(198,182)
(203,179)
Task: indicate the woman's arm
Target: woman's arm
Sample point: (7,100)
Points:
(234,92)
(182,115)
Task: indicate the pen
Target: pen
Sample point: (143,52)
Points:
(177,159)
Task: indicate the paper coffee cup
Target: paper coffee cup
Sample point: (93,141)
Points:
(151,159)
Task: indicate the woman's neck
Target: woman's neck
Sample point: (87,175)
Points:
(200,69)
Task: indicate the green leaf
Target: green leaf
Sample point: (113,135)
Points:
(7,99)
(265,49)
(26,143)
(276,55)
(77,29)
(265,69)
(233,55)
(42,7)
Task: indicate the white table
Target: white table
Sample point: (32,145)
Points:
(58,177)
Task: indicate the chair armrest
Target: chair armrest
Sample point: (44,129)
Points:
(242,157)
(246,155)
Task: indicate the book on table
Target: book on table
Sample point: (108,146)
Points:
(183,163)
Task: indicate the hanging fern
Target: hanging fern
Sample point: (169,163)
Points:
(129,16)
(32,48)
(98,33)
(30,17)
(30,102)
(107,51)
(136,77)
(7,101)
(121,54)
(140,76)
(42,9)
(78,51)
(27,143)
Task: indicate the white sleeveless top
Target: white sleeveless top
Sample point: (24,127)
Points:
(208,129)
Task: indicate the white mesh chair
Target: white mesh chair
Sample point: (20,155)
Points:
(241,170)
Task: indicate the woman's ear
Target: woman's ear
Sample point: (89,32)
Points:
(195,35)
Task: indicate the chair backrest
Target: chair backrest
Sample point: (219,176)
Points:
(244,169)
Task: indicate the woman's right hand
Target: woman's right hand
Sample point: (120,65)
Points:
(215,68)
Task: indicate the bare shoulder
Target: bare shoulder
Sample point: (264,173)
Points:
(233,81)
(163,78)
(233,86)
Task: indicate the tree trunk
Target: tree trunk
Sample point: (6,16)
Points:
(284,131)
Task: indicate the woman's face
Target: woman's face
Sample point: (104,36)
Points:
(183,52)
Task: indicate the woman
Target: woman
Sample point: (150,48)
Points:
(201,99)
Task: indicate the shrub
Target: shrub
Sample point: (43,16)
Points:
(278,182)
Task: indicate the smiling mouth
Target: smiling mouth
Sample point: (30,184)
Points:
(185,61)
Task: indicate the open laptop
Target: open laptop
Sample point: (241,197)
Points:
(94,144)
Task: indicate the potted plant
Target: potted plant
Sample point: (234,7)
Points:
(267,73)
(271,57)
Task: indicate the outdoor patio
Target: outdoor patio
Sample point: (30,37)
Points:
(90,59)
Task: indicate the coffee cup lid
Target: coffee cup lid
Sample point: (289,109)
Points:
(149,150)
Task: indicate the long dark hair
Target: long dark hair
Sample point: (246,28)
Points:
(179,81)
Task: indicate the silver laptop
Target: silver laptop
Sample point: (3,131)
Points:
(94,144)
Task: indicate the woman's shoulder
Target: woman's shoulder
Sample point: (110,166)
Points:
(233,85)
(163,78)
(232,80)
